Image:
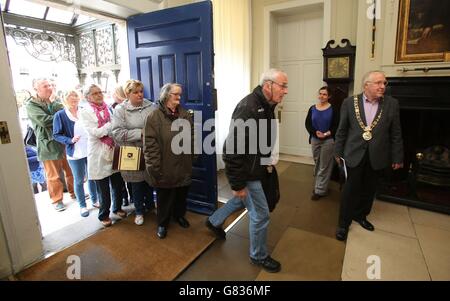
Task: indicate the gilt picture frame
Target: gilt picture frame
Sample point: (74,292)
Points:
(423,31)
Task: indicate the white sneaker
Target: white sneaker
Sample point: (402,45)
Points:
(84,212)
(139,220)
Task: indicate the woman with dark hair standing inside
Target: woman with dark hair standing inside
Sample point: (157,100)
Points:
(321,123)
(169,171)
(127,129)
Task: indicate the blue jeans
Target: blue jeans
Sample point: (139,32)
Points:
(142,197)
(79,171)
(258,212)
(114,181)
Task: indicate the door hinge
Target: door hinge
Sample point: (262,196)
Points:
(4,133)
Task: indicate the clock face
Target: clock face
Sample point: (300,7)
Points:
(339,67)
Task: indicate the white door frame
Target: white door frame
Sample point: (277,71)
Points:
(298,5)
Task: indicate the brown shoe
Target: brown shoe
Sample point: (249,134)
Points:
(315,197)
(107,222)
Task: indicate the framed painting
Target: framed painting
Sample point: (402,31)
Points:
(423,32)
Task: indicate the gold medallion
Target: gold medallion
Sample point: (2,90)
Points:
(367,135)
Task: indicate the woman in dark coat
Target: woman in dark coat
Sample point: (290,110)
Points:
(169,170)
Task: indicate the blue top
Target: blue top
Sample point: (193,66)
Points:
(321,120)
(63,131)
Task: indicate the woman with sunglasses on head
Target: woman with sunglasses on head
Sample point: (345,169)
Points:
(127,129)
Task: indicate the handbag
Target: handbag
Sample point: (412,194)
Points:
(30,137)
(271,187)
(128,158)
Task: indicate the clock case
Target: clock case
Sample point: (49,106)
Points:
(347,50)
(339,86)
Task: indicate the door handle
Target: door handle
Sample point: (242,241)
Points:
(280,109)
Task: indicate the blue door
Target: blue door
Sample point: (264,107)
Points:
(176,45)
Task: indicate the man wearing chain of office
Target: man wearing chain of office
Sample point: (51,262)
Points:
(368,140)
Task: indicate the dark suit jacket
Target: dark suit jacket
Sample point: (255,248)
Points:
(386,145)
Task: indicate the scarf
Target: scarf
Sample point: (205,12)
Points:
(103,120)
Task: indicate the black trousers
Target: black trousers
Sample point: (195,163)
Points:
(171,202)
(359,192)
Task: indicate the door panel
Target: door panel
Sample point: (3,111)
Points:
(175,45)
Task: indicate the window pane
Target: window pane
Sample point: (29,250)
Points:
(83,19)
(60,16)
(26,8)
(2,4)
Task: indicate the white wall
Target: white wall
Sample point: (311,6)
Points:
(338,24)
(17,208)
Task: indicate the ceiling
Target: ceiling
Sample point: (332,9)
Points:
(78,12)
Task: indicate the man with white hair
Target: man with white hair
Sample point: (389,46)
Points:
(369,139)
(247,163)
(41,110)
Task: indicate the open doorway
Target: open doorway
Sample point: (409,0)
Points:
(73,50)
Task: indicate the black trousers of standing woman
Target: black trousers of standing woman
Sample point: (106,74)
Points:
(171,203)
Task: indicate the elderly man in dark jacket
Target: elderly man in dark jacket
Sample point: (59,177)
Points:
(246,161)
(369,139)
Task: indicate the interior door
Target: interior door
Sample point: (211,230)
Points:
(301,58)
(176,45)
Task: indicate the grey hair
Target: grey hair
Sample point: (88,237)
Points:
(88,90)
(366,76)
(67,95)
(36,81)
(165,91)
(269,75)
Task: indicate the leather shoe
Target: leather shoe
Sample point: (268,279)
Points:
(269,264)
(162,232)
(365,224)
(315,197)
(183,222)
(219,232)
(341,233)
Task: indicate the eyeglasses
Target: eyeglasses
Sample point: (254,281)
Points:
(283,86)
(175,94)
(379,83)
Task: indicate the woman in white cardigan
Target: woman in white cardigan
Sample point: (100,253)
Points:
(96,119)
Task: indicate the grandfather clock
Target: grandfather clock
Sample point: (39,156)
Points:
(338,69)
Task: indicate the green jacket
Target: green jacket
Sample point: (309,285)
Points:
(41,116)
